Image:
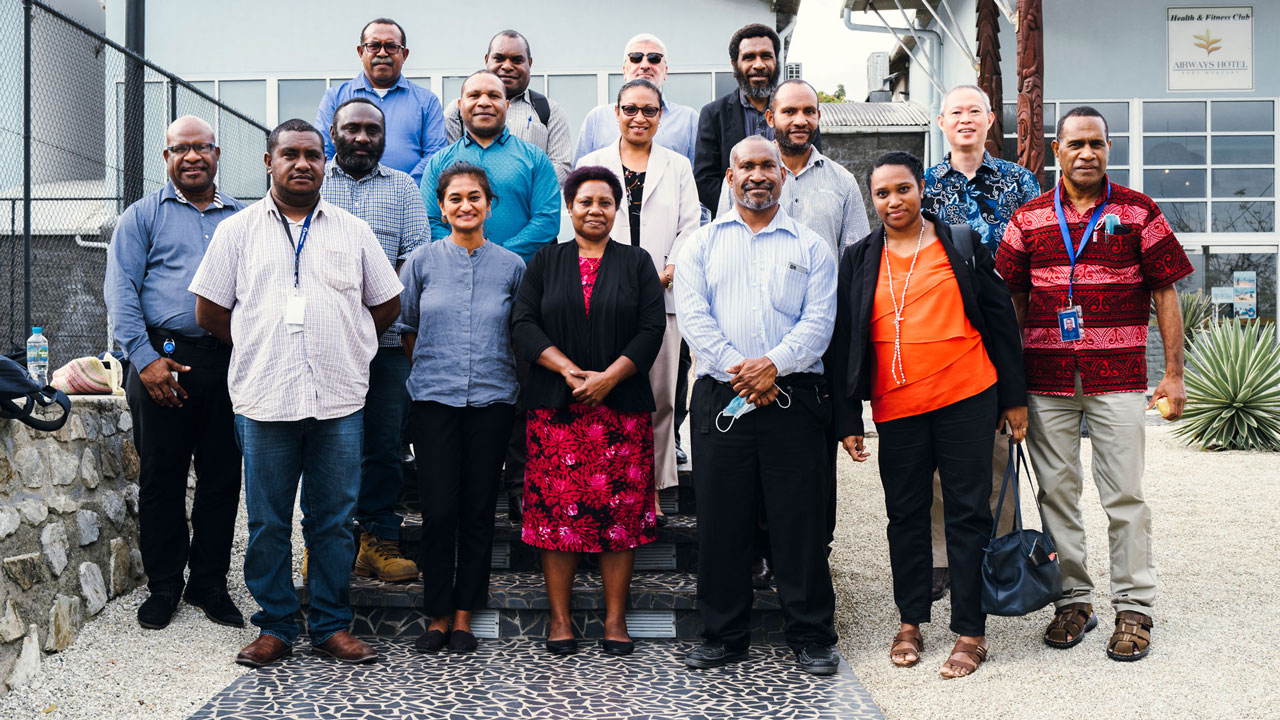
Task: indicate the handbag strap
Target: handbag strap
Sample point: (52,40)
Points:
(1011,469)
(1035,492)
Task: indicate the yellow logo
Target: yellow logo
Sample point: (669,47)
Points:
(1208,43)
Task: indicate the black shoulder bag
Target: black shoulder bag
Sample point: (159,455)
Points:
(1020,571)
(16,382)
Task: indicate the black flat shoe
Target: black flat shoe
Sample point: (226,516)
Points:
(461,641)
(216,604)
(562,647)
(818,660)
(662,520)
(430,641)
(617,647)
(158,609)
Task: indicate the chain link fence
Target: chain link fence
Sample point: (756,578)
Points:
(90,116)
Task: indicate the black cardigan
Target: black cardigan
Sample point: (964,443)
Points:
(986,304)
(628,318)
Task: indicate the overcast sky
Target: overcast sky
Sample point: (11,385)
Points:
(831,53)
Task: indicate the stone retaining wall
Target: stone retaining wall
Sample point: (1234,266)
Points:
(68,529)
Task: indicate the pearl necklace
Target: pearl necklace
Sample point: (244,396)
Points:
(895,367)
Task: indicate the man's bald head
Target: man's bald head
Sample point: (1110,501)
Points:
(753,142)
(191,155)
(186,125)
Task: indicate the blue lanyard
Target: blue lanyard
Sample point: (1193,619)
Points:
(1073,252)
(302,240)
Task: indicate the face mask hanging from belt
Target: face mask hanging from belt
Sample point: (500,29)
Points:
(738,407)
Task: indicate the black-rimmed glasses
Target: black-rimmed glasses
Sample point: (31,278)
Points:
(374,48)
(201,148)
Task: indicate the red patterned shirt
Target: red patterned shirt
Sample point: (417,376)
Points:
(1114,278)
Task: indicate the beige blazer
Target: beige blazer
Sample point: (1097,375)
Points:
(669,208)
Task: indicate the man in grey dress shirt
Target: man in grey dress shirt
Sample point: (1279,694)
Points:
(531,116)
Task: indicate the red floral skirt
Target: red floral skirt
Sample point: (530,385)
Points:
(589,480)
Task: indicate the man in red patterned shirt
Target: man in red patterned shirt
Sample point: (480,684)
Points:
(1084,263)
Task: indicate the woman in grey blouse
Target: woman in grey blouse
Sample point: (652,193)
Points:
(456,318)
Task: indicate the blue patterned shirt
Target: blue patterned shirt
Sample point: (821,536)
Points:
(526,215)
(459,305)
(415,121)
(987,202)
(389,201)
(744,295)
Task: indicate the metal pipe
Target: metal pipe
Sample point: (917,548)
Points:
(135,101)
(26,162)
(929,72)
(961,41)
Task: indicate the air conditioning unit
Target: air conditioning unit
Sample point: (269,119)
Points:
(877,71)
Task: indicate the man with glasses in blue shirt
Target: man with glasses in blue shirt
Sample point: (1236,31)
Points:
(414,117)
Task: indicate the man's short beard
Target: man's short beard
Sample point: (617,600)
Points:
(344,153)
(745,201)
(790,148)
(753,92)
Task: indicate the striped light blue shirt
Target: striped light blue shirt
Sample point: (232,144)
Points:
(746,295)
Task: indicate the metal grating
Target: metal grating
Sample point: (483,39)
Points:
(644,623)
(484,624)
(667,501)
(656,556)
(501,559)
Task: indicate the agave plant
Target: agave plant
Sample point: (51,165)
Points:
(1233,388)
(1197,312)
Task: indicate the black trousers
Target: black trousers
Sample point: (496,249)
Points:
(683,365)
(771,458)
(167,438)
(463,452)
(517,453)
(955,440)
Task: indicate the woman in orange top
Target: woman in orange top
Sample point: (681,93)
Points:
(931,339)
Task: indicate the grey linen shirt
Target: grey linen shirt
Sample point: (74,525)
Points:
(459,305)
(524,123)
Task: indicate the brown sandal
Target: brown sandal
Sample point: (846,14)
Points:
(912,637)
(1132,637)
(1069,625)
(972,657)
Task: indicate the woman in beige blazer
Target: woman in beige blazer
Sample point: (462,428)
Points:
(660,211)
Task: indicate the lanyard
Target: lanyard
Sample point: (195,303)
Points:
(1073,252)
(302,240)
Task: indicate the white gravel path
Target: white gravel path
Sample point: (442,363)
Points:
(1217,528)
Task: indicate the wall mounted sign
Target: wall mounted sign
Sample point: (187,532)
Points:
(1245,284)
(1210,48)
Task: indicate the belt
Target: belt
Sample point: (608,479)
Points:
(206,343)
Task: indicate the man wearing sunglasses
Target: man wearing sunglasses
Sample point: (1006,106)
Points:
(645,57)
(415,120)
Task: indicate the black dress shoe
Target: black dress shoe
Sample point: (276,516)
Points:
(562,647)
(661,520)
(461,641)
(818,660)
(761,573)
(941,579)
(216,604)
(430,641)
(156,612)
(713,654)
(617,647)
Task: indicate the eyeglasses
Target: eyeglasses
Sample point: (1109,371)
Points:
(181,150)
(648,111)
(373,48)
(636,57)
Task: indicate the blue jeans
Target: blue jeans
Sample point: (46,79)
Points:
(326,455)
(380,472)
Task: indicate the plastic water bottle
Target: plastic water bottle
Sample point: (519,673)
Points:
(38,356)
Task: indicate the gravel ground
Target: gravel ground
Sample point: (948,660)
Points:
(1209,536)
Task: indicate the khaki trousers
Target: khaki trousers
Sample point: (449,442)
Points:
(662,378)
(1117,430)
(999,459)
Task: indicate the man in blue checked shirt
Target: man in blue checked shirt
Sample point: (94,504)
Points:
(177,385)
(755,300)
(388,200)
(414,117)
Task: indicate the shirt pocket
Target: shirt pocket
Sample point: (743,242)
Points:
(787,289)
(341,270)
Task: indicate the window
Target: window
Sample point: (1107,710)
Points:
(1115,113)
(575,93)
(299,99)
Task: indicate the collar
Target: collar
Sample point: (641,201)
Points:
(171,192)
(781,222)
(269,204)
(815,158)
(1061,189)
(362,82)
(468,141)
(523,96)
(333,169)
(988,163)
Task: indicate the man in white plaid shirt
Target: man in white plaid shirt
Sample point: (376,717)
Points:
(301,290)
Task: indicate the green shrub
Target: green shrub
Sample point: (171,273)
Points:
(1197,312)
(1233,388)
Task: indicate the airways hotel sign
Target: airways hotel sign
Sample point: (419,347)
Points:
(1210,48)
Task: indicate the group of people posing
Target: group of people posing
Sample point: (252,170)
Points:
(401,283)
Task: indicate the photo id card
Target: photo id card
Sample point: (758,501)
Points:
(294,310)
(1071,324)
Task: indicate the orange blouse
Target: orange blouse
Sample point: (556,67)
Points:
(943,357)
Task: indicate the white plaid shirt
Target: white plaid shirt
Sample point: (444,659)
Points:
(321,372)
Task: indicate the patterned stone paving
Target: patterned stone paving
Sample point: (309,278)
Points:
(509,679)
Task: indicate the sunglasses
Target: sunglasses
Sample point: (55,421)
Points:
(636,57)
(648,111)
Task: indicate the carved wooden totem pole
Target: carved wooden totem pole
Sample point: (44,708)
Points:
(989,71)
(1031,87)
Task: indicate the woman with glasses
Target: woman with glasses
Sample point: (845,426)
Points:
(930,337)
(661,210)
(589,318)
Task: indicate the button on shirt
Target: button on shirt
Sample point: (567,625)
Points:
(459,305)
(156,247)
(415,121)
(986,202)
(823,197)
(526,215)
(524,123)
(389,201)
(322,371)
(744,295)
(677,130)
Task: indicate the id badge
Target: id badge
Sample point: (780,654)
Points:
(294,310)
(1071,324)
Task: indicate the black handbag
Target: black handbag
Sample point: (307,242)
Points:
(1020,572)
(16,382)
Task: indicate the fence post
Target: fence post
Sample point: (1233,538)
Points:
(26,166)
(135,103)
(173,99)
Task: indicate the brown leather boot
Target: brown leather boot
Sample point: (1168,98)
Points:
(347,648)
(263,651)
(382,558)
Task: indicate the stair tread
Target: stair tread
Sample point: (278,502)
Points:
(680,528)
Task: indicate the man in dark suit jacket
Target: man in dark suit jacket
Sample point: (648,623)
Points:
(754,51)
